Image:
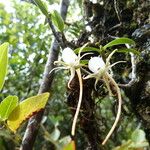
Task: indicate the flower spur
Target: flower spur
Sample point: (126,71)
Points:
(101,71)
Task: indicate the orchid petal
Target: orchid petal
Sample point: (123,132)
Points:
(109,57)
(85,55)
(81,49)
(57,68)
(60,63)
(96,63)
(68,56)
(89,76)
(116,63)
(96,83)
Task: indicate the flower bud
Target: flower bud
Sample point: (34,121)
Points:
(96,63)
(69,56)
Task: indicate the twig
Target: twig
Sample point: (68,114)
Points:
(57,35)
(133,73)
(117,10)
(133,66)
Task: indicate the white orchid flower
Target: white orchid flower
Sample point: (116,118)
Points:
(101,71)
(96,63)
(70,61)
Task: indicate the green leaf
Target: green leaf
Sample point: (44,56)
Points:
(139,145)
(3,63)
(70,146)
(7,106)
(55,134)
(119,41)
(138,136)
(57,20)
(87,49)
(26,109)
(138,139)
(124,146)
(126,50)
(42,7)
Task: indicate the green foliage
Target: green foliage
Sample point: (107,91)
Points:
(57,20)
(26,109)
(3,63)
(42,7)
(119,41)
(24,29)
(7,106)
(70,146)
(137,141)
(55,135)
(127,50)
(87,49)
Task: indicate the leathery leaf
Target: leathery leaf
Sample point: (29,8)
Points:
(26,109)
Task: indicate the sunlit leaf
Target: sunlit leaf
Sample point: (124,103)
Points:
(139,145)
(138,136)
(7,106)
(26,109)
(124,146)
(3,63)
(70,146)
(119,41)
(42,7)
(57,20)
(136,142)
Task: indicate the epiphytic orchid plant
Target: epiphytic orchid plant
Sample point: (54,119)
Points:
(72,62)
(101,71)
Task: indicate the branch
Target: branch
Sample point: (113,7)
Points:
(117,10)
(58,36)
(134,77)
(34,122)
